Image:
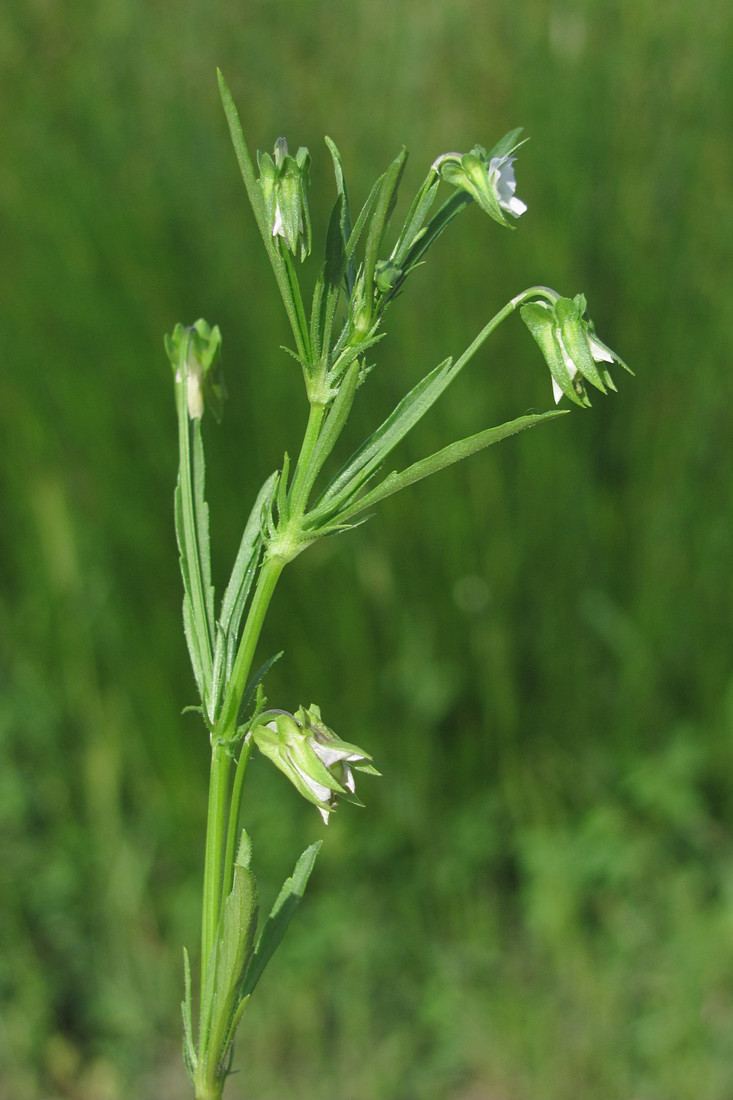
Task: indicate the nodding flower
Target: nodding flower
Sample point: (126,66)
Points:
(570,346)
(317,762)
(487,177)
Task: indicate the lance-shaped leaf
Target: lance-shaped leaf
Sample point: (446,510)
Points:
(223,995)
(328,288)
(388,187)
(454,452)
(344,214)
(373,452)
(245,566)
(280,916)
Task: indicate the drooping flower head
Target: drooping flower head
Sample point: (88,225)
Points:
(570,346)
(487,177)
(318,763)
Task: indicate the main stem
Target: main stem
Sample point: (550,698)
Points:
(221,759)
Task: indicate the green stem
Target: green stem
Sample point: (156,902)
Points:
(215,825)
(221,761)
(235,803)
(302,483)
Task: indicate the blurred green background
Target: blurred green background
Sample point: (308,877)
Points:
(537,901)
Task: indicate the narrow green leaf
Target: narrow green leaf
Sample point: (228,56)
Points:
(454,452)
(328,287)
(280,916)
(287,280)
(408,412)
(415,219)
(316,316)
(389,185)
(508,144)
(435,227)
(230,959)
(246,167)
(282,491)
(201,512)
(345,214)
(245,567)
(189,1048)
(364,214)
(253,685)
(188,521)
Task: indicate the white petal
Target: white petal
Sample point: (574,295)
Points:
(324,814)
(557,392)
(599,353)
(278,229)
(322,793)
(570,365)
(327,755)
(194,396)
(516,207)
(348,779)
(501,174)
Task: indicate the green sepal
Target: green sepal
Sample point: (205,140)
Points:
(573,328)
(471,174)
(539,320)
(280,916)
(195,355)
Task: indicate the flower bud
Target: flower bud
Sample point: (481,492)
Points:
(571,349)
(202,366)
(284,181)
(315,760)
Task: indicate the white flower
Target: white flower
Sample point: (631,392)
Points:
(501,175)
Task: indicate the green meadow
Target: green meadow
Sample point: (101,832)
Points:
(536,902)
